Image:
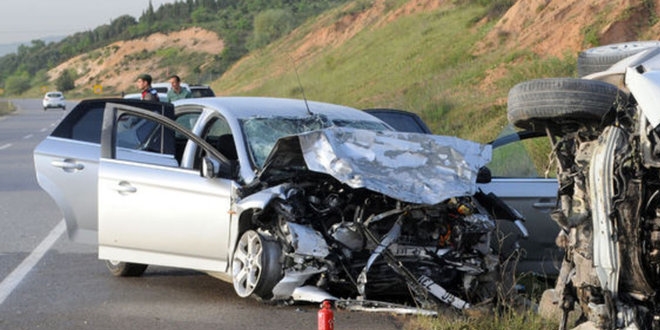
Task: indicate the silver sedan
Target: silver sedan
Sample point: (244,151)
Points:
(287,199)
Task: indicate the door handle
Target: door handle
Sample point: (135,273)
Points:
(68,165)
(125,188)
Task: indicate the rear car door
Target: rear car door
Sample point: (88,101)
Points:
(518,177)
(151,210)
(66,165)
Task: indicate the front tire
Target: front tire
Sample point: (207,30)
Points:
(256,265)
(125,269)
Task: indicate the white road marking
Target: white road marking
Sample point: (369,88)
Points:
(43,130)
(27,136)
(15,277)
(5,146)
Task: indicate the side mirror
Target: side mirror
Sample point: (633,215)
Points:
(484,175)
(212,168)
(209,168)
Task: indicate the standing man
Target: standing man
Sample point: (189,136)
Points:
(144,85)
(176,92)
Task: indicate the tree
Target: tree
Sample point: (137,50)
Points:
(17,83)
(270,25)
(66,81)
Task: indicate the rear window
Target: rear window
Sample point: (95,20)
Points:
(201,92)
(54,94)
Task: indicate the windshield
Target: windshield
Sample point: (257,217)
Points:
(261,133)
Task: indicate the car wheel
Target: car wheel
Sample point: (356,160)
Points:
(599,59)
(125,269)
(535,104)
(256,266)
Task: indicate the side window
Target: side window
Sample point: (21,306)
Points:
(188,120)
(526,158)
(218,134)
(83,124)
(143,140)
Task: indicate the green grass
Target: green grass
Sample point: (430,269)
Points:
(512,320)
(422,62)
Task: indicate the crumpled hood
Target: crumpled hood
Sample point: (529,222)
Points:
(411,167)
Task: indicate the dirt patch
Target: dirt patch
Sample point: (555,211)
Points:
(552,27)
(116,65)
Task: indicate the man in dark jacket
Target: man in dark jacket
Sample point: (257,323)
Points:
(144,85)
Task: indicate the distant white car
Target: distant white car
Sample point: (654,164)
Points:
(53,100)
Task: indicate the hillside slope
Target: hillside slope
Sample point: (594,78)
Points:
(116,66)
(452,62)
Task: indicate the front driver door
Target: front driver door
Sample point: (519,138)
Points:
(152,211)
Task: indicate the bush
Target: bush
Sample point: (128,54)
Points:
(66,81)
(270,25)
(18,83)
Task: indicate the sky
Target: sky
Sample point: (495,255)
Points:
(27,20)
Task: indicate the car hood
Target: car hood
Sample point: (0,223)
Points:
(411,167)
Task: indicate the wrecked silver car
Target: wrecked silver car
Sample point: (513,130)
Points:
(289,200)
(605,129)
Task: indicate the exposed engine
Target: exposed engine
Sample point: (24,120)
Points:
(611,272)
(357,243)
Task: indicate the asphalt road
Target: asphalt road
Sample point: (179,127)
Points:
(48,282)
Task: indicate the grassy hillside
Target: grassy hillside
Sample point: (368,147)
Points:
(421,61)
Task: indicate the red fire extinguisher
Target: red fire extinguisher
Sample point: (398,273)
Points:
(326,317)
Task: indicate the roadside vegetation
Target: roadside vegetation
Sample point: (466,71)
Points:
(422,63)
(244,25)
(6,107)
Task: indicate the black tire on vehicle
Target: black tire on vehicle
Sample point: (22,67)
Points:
(256,265)
(555,102)
(599,59)
(125,269)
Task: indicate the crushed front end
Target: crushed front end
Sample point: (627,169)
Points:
(376,215)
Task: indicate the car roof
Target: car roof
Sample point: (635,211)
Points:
(243,107)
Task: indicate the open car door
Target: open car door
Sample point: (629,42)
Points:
(151,210)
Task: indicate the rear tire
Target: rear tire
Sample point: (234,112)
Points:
(125,269)
(536,104)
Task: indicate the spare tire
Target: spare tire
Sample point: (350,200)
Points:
(535,104)
(601,58)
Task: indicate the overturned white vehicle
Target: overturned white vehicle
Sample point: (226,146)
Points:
(287,199)
(605,129)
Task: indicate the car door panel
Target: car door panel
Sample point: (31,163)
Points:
(66,169)
(516,180)
(154,213)
(535,199)
(164,215)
